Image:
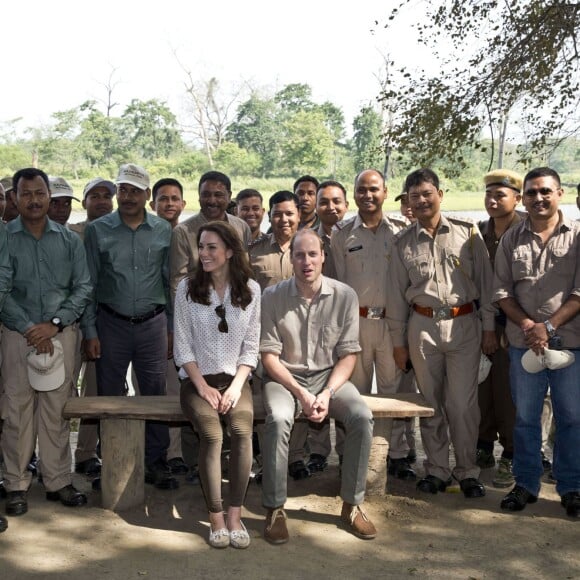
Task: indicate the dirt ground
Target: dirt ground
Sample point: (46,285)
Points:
(439,536)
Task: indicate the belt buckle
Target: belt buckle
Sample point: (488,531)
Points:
(375,313)
(443,313)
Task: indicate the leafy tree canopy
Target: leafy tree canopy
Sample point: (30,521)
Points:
(492,56)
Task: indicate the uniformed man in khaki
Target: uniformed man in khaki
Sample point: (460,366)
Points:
(215,191)
(250,208)
(331,207)
(270,261)
(498,414)
(439,272)
(360,249)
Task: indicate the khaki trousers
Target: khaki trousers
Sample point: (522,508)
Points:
(445,355)
(28,414)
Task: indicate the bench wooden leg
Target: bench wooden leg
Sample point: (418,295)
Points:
(123,471)
(377,472)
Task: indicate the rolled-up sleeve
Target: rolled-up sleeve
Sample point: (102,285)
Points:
(270,339)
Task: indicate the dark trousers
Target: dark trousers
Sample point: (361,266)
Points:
(498,413)
(145,346)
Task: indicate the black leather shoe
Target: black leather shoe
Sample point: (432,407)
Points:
(472,487)
(178,466)
(401,469)
(317,462)
(159,474)
(16,503)
(67,495)
(298,470)
(571,501)
(2,490)
(3,524)
(517,499)
(432,484)
(96,484)
(91,467)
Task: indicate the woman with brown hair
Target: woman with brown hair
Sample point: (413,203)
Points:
(216,339)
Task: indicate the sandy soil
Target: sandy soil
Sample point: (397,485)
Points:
(439,536)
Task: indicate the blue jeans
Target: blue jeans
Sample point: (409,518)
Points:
(528,392)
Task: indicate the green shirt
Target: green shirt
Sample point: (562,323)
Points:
(50,276)
(129,268)
(5,270)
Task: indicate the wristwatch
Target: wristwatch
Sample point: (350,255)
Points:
(331,391)
(551,330)
(58,323)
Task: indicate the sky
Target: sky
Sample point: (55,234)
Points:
(58,54)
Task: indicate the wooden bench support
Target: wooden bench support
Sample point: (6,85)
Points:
(123,438)
(123,471)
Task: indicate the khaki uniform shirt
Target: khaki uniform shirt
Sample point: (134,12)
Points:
(360,257)
(540,277)
(78,228)
(328,266)
(183,254)
(309,337)
(451,269)
(487,229)
(269,263)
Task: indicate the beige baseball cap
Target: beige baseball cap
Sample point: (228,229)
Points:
(98,182)
(133,175)
(484,368)
(59,187)
(45,371)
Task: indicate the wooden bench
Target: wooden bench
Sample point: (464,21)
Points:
(123,438)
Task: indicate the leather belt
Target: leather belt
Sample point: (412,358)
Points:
(445,312)
(133,319)
(371,312)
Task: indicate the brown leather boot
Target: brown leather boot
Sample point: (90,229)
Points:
(275,530)
(358,521)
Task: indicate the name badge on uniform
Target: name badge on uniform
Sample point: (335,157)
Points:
(355,248)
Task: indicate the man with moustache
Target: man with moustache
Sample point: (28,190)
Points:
(127,323)
(537,285)
(305,189)
(50,289)
(360,250)
(215,191)
(10,209)
(312,375)
(250,208)
(439,272)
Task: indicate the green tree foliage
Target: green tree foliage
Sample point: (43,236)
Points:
(151,129)
(490,56)
(367,139)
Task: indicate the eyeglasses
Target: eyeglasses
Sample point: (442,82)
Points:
(543,191)
(223,323)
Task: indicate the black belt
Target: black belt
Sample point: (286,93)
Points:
(133,319)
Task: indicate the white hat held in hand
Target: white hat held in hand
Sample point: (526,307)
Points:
(46,372)
(484,368)
(551,359)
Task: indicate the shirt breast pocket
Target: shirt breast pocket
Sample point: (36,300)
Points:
(330,335)
(419,268)
(521,264)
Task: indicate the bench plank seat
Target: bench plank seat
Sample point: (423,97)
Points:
(123,437)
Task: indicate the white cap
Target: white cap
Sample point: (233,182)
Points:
(551,359)
(59,187)
(133,175)
(484,368)
(46,372)
(98,182)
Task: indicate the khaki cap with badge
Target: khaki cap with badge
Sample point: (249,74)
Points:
(59,187)
(504,177)
(133,175)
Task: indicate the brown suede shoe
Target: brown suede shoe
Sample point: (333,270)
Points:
(275,530)
(358,521)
